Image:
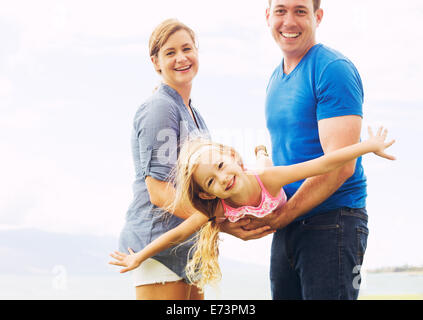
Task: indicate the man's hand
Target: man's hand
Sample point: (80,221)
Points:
(237,230)
(278,219)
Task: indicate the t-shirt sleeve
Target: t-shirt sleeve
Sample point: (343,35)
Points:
(339,91)
(157,132)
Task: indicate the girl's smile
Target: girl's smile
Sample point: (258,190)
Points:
(231,184)
(221,176)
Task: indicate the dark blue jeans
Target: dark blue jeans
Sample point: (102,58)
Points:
(319,257)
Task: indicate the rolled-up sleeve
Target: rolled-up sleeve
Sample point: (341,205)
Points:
(157,129)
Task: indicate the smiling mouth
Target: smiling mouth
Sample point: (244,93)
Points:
(230,185)
(290,35)
(184,68)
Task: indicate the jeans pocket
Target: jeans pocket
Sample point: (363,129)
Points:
(362,234)
(325,221)
(358,213)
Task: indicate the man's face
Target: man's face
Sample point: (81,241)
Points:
(293,25)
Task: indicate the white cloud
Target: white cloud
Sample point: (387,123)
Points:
(384,42)
(6,87)
(47,196)
(47,184)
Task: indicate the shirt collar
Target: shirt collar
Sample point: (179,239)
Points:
(172,93)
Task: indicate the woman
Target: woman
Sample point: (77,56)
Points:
(161,124)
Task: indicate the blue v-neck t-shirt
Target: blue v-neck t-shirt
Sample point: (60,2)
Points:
(325,84)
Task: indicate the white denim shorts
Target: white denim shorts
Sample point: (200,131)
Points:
(151,271)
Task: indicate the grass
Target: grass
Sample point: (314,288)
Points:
(392,297)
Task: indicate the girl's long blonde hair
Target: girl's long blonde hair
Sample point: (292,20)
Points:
(203,268)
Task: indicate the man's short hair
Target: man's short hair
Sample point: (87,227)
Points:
(316,4)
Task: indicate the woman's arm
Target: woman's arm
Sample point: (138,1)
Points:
(158,133)
(283,175)
(175,236)
(162,195)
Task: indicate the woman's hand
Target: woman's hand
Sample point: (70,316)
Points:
(130,261)
(378,142)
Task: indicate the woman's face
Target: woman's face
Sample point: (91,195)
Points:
(177,60)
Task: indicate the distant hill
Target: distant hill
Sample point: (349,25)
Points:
(30,251)
(404,268)
(38,252)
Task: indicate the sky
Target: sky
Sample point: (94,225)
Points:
(73,73)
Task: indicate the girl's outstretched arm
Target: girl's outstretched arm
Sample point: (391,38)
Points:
(283,175)
(175,236)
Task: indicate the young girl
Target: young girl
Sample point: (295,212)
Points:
(212,178)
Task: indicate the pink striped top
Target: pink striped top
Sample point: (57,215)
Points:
(267,205)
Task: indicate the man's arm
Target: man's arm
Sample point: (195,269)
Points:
(335,133)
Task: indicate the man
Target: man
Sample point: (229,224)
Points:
(313,106)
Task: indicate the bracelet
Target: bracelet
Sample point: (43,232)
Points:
(261,147)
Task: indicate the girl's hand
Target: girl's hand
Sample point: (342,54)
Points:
(378,142)
(260,150)
(129,261)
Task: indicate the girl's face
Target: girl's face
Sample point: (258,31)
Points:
(177,60)
(219,175)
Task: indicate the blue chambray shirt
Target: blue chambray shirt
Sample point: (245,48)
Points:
(161,125)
